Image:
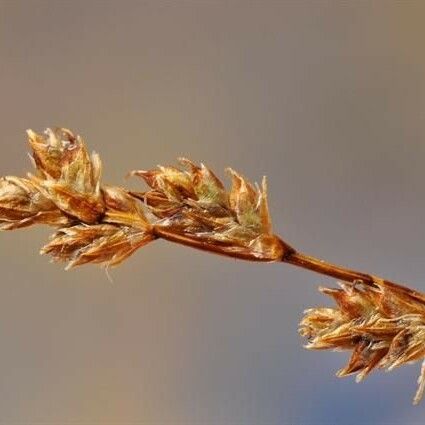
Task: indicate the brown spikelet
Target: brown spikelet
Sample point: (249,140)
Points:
(104,244)
(22,204)
(123,230)
(66,174)
(194,208)
(382,325)
(97,224)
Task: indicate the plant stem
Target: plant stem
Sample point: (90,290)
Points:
(225,250)
(319,266)
(328,269)
(290,256)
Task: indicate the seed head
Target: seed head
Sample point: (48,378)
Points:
(383,325)
(193,204)
(22,204)
(67,174)
(104,244)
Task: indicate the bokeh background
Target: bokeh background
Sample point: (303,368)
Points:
(325,97)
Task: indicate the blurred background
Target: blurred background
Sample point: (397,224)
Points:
(325,97)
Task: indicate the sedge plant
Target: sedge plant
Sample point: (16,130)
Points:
(380,322)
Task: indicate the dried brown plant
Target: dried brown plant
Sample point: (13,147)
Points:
(380,322)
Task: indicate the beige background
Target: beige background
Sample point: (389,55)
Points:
(325,97)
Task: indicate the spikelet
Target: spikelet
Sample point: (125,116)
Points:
(104,244)
(194,208)
(124,229)
(383,325)
(96,224)
(66,174)
(22,204)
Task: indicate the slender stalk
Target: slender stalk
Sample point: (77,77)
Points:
(223,250)
(289,256)
(320,266)
(308,262)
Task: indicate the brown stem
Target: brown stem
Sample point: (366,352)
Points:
(319,266)
(228,251)
(290,256)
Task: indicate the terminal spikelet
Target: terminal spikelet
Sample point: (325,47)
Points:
(382,325)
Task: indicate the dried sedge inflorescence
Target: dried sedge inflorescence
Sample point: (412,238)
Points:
(382,323)
(193,208)
(22,204)
(96,224)
(105,224)
(67,174)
